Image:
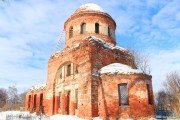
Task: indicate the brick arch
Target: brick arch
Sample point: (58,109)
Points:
(60,68)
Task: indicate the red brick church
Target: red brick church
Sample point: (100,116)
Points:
(91,76)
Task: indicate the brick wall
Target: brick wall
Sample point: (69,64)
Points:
(90,20)
(108,97)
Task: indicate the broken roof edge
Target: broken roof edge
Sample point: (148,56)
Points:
(105,44)
(91,38)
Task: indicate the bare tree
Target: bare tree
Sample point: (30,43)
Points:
(139,60)
(12,95)
(172,88)
(161,100)
(3,97)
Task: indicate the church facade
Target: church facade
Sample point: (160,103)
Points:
(91,76)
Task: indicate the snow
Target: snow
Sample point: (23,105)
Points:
(35,117)
(38,87)
(91,38)
(13,113)
(89,7)
(119,69)
(106,45)
(64,117)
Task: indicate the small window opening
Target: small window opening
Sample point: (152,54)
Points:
(83,28)
(109,31)
(60,75)
(123,94)
(97,28)
(68,70)
(75,69)
(71,32)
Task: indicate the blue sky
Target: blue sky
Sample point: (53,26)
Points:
(29,31)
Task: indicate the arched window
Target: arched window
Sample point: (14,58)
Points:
(109,31)
(83,28)
(96,27)
(71,32)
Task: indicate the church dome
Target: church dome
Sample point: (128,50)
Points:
(89,7)
(89,20)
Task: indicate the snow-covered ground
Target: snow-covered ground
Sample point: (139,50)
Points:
(20,115)
(27,116)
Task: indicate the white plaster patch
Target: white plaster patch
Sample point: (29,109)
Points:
(67,87)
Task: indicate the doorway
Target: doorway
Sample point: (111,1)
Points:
(34,106)
(41,103)
(68,101)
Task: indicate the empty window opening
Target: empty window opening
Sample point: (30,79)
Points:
(60,99)
(68,70)
(149,94)
(123,94)
(71,32)
(60,73)
(29,101)
(75,69)
(109,31)
(76,98)
(83,28)
(97,28)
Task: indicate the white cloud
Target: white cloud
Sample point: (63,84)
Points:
(162,63)
(167,18)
